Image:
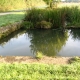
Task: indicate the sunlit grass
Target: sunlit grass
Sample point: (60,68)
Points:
(11,18)
(57,17)
(38,71)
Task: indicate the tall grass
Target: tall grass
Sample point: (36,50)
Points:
(38,15)
(58,17)
(7,5)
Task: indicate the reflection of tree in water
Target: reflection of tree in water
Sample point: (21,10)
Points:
(13,35)
(49,42)
(75,33)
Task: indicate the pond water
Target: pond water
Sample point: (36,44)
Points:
(49,42)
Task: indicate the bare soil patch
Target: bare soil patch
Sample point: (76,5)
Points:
(26,59)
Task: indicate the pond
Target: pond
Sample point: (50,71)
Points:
(49,42)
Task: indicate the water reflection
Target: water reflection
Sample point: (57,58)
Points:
(49,42)
(16,44)
(75,34)
(15,34)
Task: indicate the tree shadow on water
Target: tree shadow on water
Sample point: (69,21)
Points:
(49,42)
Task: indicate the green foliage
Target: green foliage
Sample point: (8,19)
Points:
(8,5)
(59,17)
(11,18)
(52,3)
(74,17)
(49,15)
(20,71)
(75,59)
(27,25)
(43,24)
(39,55)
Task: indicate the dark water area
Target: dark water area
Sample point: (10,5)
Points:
(49,42)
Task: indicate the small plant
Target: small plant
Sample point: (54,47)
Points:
(75,59)
(44,25)
(39,55)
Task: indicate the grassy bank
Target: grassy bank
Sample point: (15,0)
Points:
(11,18)
(54,18)
(10,23)
(18,71)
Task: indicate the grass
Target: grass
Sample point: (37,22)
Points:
(57,17)
(11,18)
(18,71)
(39,15)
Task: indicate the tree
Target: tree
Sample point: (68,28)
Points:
(51,3)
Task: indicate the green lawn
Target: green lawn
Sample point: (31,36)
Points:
(11,18)
(35,71)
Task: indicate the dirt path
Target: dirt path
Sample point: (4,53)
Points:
(25,59)
(12,12)
(6,13)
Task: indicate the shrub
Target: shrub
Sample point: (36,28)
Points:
(39,55)
(59,17)
(44,25)
(48,15)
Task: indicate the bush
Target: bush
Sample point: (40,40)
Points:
(39,55)
(59,17)
(44,25)
(48,15)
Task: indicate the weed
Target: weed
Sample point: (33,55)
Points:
(59,17)
(39,55)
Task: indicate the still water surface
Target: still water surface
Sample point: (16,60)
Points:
(49,42)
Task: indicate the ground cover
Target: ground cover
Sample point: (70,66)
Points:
(40,71)
(11,18)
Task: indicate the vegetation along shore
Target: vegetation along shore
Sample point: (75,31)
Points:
(40,14)
(46,68)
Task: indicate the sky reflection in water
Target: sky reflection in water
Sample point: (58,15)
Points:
(49,42)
